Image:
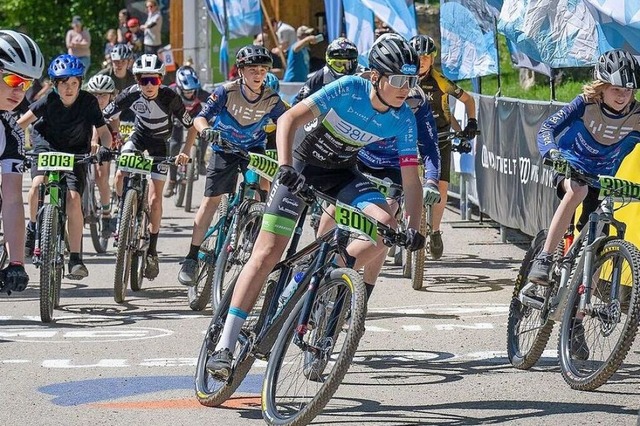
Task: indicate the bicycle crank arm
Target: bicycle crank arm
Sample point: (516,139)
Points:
(530,300)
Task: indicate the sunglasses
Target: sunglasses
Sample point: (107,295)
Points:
(14,81)
(154,81)
(398,81)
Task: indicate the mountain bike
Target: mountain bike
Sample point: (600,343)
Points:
(310,339)
(51,236)
(132,237)
(228,243)
(593,292)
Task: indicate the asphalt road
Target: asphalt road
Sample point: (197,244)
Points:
(435,356)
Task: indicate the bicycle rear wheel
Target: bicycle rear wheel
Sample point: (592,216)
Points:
(528,329)
(124,252)
(93,217)
(236,249)
(592,348)
(298,384)
(140,252)
(417,259)
(48,267)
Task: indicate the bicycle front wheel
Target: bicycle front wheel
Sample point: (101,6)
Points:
(49,264)
(593,345)
(299,383)
(189,178)
(236,249)
(95,224)
(417,259)
(124,253)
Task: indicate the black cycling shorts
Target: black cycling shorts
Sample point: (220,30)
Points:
(223,170)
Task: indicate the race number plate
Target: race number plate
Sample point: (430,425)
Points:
(263,165)
(126,130)
(622,190)
(382,185)
(133,163)
(271,153)
(352,219)
(55,161)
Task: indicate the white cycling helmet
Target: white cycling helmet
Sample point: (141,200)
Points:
(20,54)
(101,84)
(148,64)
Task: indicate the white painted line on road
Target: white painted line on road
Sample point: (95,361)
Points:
(15,361)
(373,328)
(96,334)
(476,326)
(411,328)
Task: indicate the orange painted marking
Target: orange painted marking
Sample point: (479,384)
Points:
(237,402)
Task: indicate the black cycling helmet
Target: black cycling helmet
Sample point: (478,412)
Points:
(339,51)
(392,54)
(619,68)
(424,45)
(253,55)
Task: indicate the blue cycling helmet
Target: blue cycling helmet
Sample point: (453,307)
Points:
(272,81)
(65,66)
(187,79)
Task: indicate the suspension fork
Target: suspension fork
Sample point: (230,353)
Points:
(589,256)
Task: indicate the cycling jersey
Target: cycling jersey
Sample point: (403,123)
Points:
(349,122)
(591,139)
(239,120)
(67,129)
(193,105)
(11,144)
(120,83)
(384,154)
(154,117)
(437,89)
(315,82)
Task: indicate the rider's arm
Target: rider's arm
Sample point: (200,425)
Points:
(556,123)
(105,136)
(469,104)
(212,107)
(411,185)
(122,102)
(36,110)
(26,119)
(428,142)
(291,120)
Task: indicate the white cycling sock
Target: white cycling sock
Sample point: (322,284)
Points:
(231,330)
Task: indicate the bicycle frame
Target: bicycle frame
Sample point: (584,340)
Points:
(58,198)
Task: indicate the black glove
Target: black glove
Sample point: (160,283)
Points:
(290,177)
(15,278)
(209,135)
(464,147)
(415,240)
(560,163)
(469,132)
(104,155)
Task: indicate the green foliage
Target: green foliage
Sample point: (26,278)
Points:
(510,84)
(48,21)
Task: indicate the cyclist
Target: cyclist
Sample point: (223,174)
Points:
(103,88)
(594,133)
(65,118)
(21,63)
(187,85)
(437,88)
(356,112)
(120,73)
(342,59)
(156,107)
(239,110)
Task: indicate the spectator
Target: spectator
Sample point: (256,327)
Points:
(78,42)
(112,39)
(152,28)
(298,58)
(123,29)
(135,37)
(286,34)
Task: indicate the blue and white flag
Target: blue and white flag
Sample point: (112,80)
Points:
(394,13)
(468,46)
(618,22)
(359,27)
(244,17)
(333,13)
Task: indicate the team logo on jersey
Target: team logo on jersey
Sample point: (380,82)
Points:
(140,107)
(311,125)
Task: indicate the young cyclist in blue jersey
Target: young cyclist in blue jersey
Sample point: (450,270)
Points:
(239,110)
(156,107)
(21,63)
(193,97)
(103,88)
(594,133)
(326,158)
(65,118)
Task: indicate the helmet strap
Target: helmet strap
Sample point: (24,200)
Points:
(242,83)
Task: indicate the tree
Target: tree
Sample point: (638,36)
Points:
(47,22)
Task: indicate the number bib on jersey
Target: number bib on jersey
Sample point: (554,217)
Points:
(55,161)
(126,130)
(352,219)
(135,163)
(263,165)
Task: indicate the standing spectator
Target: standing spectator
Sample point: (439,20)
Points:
(286,34)
(152,28)
(135,37)
(112,39)
(78,42)
(123,29)
(262,40)
(298,58)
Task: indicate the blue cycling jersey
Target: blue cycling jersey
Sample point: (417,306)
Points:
(349,123)
(592,139)
(384,154)
(239,120)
